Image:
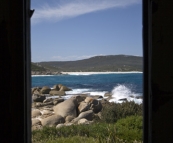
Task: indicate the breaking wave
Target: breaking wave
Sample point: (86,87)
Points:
(122,92)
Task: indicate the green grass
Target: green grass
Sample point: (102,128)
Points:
(120,123)
(125,130)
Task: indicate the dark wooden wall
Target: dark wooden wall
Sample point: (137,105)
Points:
(162,71)
(15,71)
(158,71)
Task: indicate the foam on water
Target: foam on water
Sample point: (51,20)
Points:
(119,92)
(123,92)
(41,75)
(88,91)
(78,91)
(101,93)
(90,73)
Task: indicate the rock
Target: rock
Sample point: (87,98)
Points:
(104,101)
(36,122)
(78,98)
(123,99)
(64,88)
(33,104)
(87,115)
(68,124)
(60,125)
(95,105)
(56,87)
(35,113)
(59,85)
(48,100)
(38,98)
(83,107)
(46,112)
(88,99)
(46,116)
(107,94)
(83,96)
(69,119)
(47,108)
(66,108)
(56,92)
(97,97)
(52,120)
(84,121)
(35,90)
(57,100)
(44,104)
(36,127)
(45,73)
(45,90)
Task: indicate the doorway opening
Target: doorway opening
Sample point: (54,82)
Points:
(89,49)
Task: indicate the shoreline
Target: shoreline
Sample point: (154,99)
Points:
(83,73)
(89,73)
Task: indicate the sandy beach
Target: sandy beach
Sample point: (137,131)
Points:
(88,73)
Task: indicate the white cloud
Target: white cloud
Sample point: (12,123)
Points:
(75,8)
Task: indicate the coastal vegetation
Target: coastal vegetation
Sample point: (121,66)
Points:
(122,63)
(119,123)
(35,67)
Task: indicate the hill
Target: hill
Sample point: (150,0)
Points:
(96,64)
(35,67)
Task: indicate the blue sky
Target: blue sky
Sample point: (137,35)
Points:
(66,30)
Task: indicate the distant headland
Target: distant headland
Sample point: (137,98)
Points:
(109,63)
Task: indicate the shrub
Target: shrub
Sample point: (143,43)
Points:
(130,128)
(115,111)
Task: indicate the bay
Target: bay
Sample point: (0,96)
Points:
(121,85)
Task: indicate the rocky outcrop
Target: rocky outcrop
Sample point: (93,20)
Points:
(52,120)
(45,73)
(36,122)
(56,92)
(84,121)
(47,111)
(64,88)
(86,115)
(95,105)
(83,107)
(66,108)
(35,113)
(57,100)
(45,90)
(58,89)
(38,98)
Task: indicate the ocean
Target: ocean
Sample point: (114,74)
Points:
(121,85)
